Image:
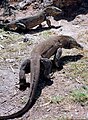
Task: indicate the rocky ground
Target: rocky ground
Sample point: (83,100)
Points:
(67,96)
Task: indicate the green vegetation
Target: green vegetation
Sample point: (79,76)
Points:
(80,95)
(57,99)
(64,118)
(46,34)
(78,71)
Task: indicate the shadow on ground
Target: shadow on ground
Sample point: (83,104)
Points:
(36,30)
(65,60)
(48,82)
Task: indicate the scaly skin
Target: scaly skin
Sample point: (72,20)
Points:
(42,51)
(32,21)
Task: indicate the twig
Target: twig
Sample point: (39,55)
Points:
(45,104)
(12,69)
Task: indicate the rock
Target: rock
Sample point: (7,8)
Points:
(1,47)
(1,37)
(66,3)
(10,60)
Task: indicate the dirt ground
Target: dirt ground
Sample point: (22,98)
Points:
(67,97)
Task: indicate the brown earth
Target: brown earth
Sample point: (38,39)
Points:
(67,96)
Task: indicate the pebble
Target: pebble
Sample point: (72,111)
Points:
(10,60)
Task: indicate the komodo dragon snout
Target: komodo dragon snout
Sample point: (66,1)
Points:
(71,43)
(74,44)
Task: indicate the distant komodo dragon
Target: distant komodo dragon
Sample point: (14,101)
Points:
(41,53)
(32,21)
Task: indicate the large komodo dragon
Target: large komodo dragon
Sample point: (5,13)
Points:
(42,52)
(32,21)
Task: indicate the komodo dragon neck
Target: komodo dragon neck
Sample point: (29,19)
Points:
(44,49)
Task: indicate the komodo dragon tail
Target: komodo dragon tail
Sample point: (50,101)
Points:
(35,70)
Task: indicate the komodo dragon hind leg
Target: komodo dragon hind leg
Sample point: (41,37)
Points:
(57,57)
(21,25)
(45,70)
(24,69)
(48,22)
(47,66)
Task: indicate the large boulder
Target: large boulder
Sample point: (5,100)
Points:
(67,3)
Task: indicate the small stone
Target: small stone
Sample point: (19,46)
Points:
(1,37)
(10,60)
(1,46)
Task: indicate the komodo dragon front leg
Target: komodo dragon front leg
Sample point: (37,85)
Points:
(48,22)
(57,57)
(24,69)
(45,69)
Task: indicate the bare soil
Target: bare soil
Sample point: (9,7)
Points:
(67,96)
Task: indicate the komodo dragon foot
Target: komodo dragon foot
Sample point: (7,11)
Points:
(45,70)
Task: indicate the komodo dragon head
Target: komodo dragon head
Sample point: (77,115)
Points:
(52,11)
(69,43)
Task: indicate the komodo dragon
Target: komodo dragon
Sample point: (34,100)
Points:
(42,52)
(32,21)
